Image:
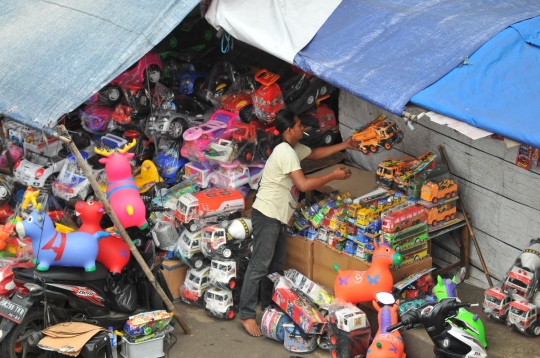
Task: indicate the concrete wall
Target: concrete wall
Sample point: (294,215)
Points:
(502,200)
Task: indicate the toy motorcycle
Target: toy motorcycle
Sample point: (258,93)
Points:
(467,321)
(449,340)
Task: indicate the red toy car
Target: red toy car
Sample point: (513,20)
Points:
(268,99)
(145,71)
(420,288)
(320,125)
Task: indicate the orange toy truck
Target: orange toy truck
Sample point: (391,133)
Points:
(444,212)
(433,192)
(378,133)
(209,206)
(395,172)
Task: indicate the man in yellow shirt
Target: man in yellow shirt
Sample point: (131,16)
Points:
(274,205)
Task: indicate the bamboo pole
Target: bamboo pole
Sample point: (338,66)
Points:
(64,137)
(469,226)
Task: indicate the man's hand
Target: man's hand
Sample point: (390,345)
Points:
(351,144)
(341,173)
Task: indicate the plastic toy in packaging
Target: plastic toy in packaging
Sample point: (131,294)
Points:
(7,187)
(378,133)
(218,243)
(95,118)
(228,274)
(195,286)
(15,152)
(170,163)
(348,331)
(220,303)
(145,324)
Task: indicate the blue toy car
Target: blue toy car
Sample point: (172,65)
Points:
(169,164)
(190,81)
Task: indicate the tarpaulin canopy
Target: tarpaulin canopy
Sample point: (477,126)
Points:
(57,53)
(387,51)
(498,88)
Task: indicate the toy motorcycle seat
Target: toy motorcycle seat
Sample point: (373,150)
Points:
(60,273)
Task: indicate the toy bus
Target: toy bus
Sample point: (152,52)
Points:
(403,219)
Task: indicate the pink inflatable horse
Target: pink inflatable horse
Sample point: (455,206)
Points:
(122,192)
(362,286)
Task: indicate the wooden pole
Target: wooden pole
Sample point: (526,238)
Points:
(469,226)
(64,137)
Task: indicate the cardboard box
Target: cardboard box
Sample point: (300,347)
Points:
(360,182)
(298,308)
(300,255)
(174,272)
(324,259)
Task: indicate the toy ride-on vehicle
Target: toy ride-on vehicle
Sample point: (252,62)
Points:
(188,249)
(220,303)
(320,125)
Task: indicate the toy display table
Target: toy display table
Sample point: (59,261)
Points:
(463,244)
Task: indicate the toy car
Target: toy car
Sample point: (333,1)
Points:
(38,170)
(110,95)
(237,176)
(72,183)
(95,118)
(175,117)
(196,139)
(145,71)
(301,92)
(189,81)
(169,164)
(220,78)
(135,104)
(7,187)
(320,125)
(15,153)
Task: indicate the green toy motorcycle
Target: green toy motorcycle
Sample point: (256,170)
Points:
(468,321)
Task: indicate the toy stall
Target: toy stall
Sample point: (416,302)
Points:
(137,205)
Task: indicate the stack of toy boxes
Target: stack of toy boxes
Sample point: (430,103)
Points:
(439,198)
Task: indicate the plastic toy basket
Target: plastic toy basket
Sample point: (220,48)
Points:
(152,348)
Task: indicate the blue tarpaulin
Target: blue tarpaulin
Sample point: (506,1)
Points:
(387,51)
(56,54)
(498,88)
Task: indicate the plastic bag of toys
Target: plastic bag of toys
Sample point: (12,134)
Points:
(15,152)
(95,118)
(146,324)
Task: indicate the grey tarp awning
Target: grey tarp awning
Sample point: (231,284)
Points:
(56,54)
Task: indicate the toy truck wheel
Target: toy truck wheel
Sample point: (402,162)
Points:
(434,223)
(447,218)
(247,156)
(232,283)
(536,330)
(453,194)
(176,128)
(364,150)
(435,200)
(373,149)
(333,353)
(265,150)
(333,339)
(230,313)
(246,114)
(447,196)
(452,217)
(328,138)
(193,226)
(387,146)
(152,74)
(227,253)
(111,95)
(416,258)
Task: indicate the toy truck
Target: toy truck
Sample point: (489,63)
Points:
(188,249)
(368,215)
(433,192)
(520,283)
(208,206)
(195,286)
(348,332)
(523,317)
(414,185)
(496,303)
(392,172)
(438,214)
(218,243)
(228,274)
(219,303)
(377,133)
(320,125)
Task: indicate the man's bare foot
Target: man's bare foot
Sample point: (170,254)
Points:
(252,327)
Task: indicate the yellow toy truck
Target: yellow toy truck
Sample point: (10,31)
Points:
(433,192)
(378,133)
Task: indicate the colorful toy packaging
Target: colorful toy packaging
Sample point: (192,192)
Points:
(297,307)
(348,331)
(144,326)
(316,293)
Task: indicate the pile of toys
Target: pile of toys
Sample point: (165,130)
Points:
(413,199)
(218,256)
(516,300)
